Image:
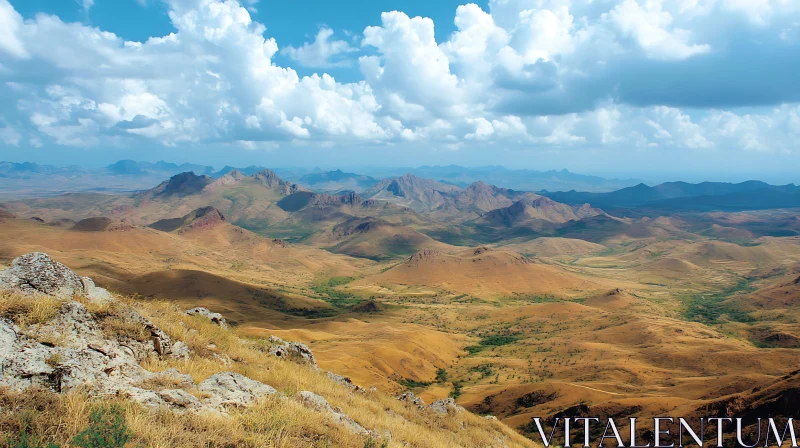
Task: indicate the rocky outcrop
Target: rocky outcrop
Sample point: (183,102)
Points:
(37,273)
(213,317)
(229,389)
(410,398)
(346,382)
(94,293)
(318,403)
(424,255)
(445,406)
(291,351)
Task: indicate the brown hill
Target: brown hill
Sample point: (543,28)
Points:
(481,272)
(182,184)
(101,224)
(411,191)
(197,219)
(374,238)
(535,207)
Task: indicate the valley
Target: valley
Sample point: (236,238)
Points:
(515,303)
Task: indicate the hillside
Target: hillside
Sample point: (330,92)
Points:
(375,239)
(481,272)
(189,380)
(682,196)
(411,191)
(337,181)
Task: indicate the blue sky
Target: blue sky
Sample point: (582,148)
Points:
(688,89)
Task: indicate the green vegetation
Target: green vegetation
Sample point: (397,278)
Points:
(107,429)
(441,375)
(413,384)
(484,369)
(337,298)
(456,392)
(496,340)
(710,308)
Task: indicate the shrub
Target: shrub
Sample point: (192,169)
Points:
(107,429)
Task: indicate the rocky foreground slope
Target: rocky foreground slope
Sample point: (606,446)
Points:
(74,345)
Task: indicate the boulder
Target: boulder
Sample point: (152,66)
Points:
(345,381)
(160,343)
(410,398)
(68,352)
(232,389)
(319,403)
(213,317)
(94,293)
(445,406)
(180,399)
(37,273)
(292,351)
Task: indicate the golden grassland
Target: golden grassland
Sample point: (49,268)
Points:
(274,421)
(691,323)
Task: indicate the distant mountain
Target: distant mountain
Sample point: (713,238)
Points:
(686,196)
(526,180)
(183,184)
(334,181)
(200,218)
(374,238)
(132,167)
(248,171)
(9,169)
(411,191)
(538,208)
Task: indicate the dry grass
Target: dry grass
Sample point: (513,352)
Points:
(277,421)
(25,311)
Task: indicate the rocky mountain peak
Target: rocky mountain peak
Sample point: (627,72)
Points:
(182,184)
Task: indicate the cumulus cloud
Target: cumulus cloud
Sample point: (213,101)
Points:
(324,52)
(523,73)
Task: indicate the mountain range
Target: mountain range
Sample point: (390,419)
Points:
(682,196)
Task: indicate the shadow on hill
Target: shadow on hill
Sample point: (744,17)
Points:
(239,302)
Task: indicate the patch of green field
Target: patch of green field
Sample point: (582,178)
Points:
(709,308)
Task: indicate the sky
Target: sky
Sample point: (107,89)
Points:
(652,89)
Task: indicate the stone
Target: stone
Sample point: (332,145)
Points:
(94,293)
(66,353)
(179,398)
(213,317)
(410,398)
(37,273)
(444,407)
(319,403)
(292,351)
(345,381)
(232,389)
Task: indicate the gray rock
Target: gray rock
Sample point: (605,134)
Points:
(180,399)
(94,293)
(319,403)
(292,351)
(160,343)
(444,407)
(37,273)
(232,389)
(345,381)
(68,352)
(213,317)
(410,398)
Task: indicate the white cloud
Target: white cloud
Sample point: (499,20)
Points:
(525,73)
(10,24)
(322,53)
(652,28)
(10,136)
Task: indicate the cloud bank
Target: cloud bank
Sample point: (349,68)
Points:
(697,74)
